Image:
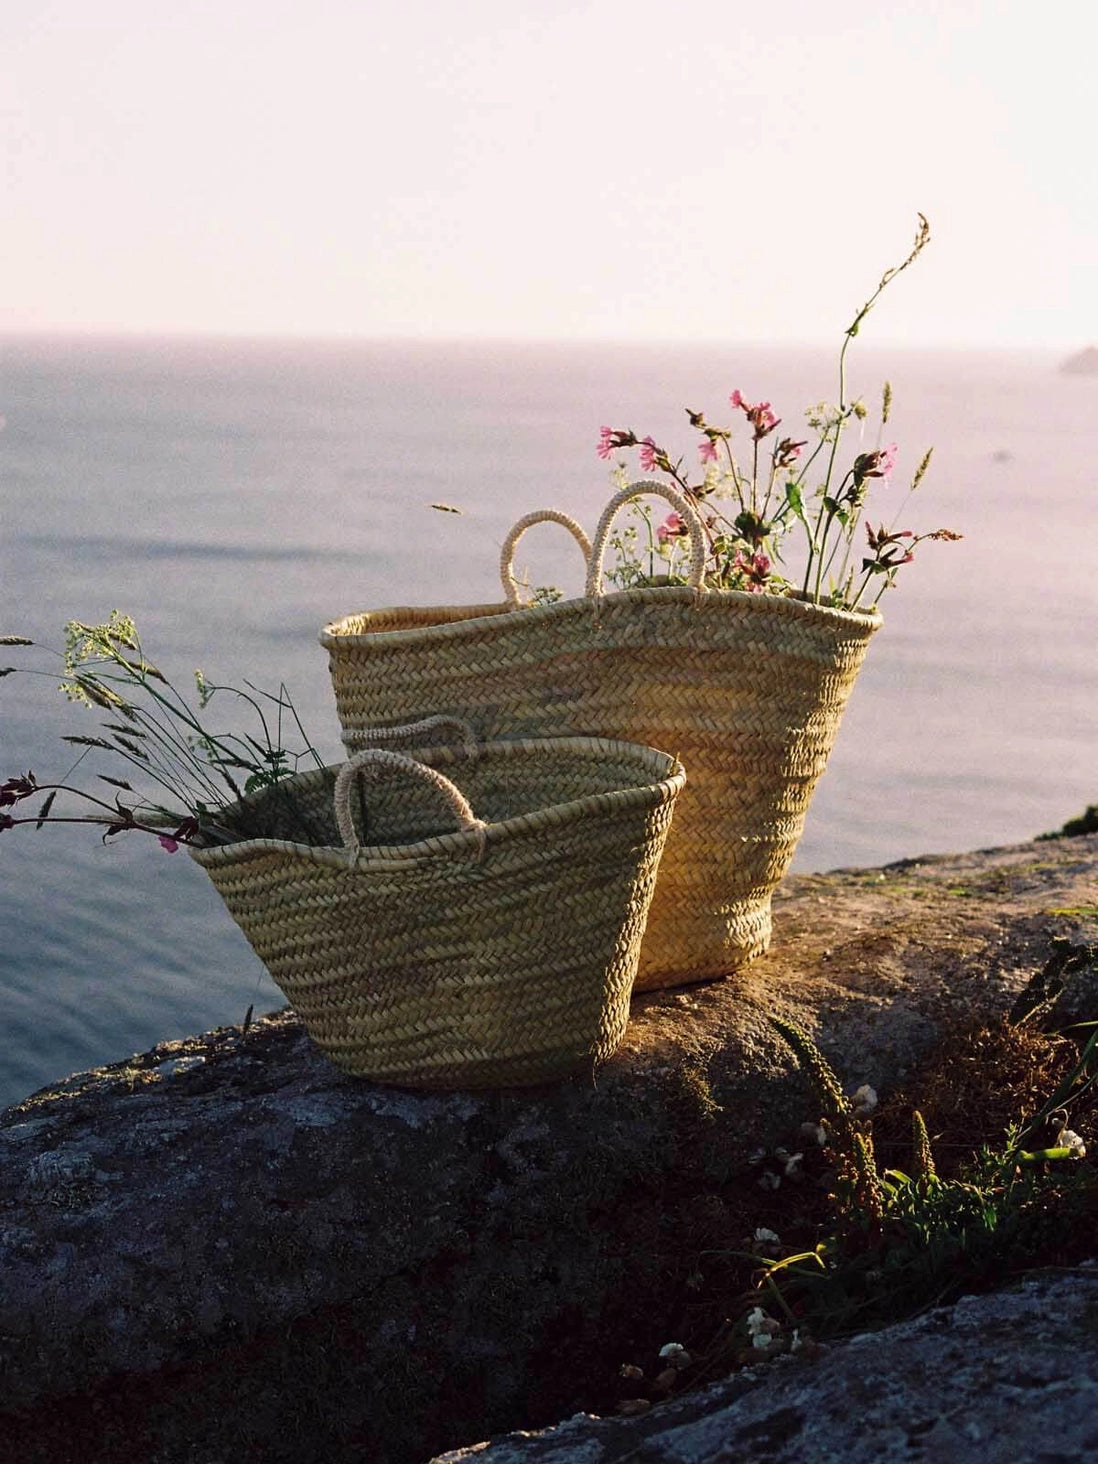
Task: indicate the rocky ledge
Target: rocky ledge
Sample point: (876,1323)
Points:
(224,1247)
(1007,1377)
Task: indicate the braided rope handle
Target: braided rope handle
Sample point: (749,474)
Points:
(507,552)
(357,738)
(686,511)
(374,763)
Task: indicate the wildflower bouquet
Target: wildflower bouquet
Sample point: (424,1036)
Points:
(772,504)
(184,782)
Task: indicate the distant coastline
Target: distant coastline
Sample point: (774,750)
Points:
(1083,363)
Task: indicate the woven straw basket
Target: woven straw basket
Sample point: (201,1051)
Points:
(456,949)
(746,689)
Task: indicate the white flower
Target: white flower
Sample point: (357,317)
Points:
(761,1328)
(864,1100)
(767,1237)
(720,483)
(1071,1140)
(675,1353)
(823,416)
(816,1132)
(204,689)
(791,1163)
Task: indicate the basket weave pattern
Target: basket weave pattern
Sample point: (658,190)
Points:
(747,690)
(499,954)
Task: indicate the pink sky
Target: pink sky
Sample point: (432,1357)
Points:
(610,169)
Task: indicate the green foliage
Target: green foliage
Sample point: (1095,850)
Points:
(1086,823)
(190,774)
(900,1241)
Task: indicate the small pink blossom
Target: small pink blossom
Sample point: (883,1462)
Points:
(755,569)
(673,527)
(707,450)
(606,442)
(876,464)
(648,452)
(757,413)
(787,452)
(168,843)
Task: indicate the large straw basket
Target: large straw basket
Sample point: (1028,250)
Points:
(746,689)
(425,945)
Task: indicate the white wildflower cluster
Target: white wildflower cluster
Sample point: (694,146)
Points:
(1069,1139)
(767,1242)
(824,417)
(95,642)
(204,689)
(75,692)
(762,1329)
(719,482)
(781,1164)
(863,1101)
(673,1358)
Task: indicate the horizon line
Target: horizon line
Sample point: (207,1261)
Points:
(76,334)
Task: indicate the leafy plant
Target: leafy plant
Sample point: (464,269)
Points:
(900,1239)
(188,779)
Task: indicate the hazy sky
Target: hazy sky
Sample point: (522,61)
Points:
(614,168)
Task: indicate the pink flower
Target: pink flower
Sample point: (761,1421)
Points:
(648,451)
(757,413)
(673,527)
(755,569)
(707,450)
(787,452)
(168,843)
(606,442)
(877,464)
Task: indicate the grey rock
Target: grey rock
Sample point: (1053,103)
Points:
(1007,1377)
(229,1248)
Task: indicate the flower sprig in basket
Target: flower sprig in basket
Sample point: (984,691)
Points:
(766,507)
(185,780)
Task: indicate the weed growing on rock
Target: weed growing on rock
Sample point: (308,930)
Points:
(902,1239)
(971,1174)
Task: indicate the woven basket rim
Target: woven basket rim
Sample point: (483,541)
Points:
(333,637)
(668,772)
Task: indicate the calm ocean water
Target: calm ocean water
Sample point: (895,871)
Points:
(234,496)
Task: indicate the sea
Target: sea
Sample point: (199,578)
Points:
(233,496)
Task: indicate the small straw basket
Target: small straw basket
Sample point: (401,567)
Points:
(427,945)
(747,689)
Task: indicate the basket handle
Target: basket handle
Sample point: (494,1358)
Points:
(357,738)
(374,763)
(507,553)
(682,507)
